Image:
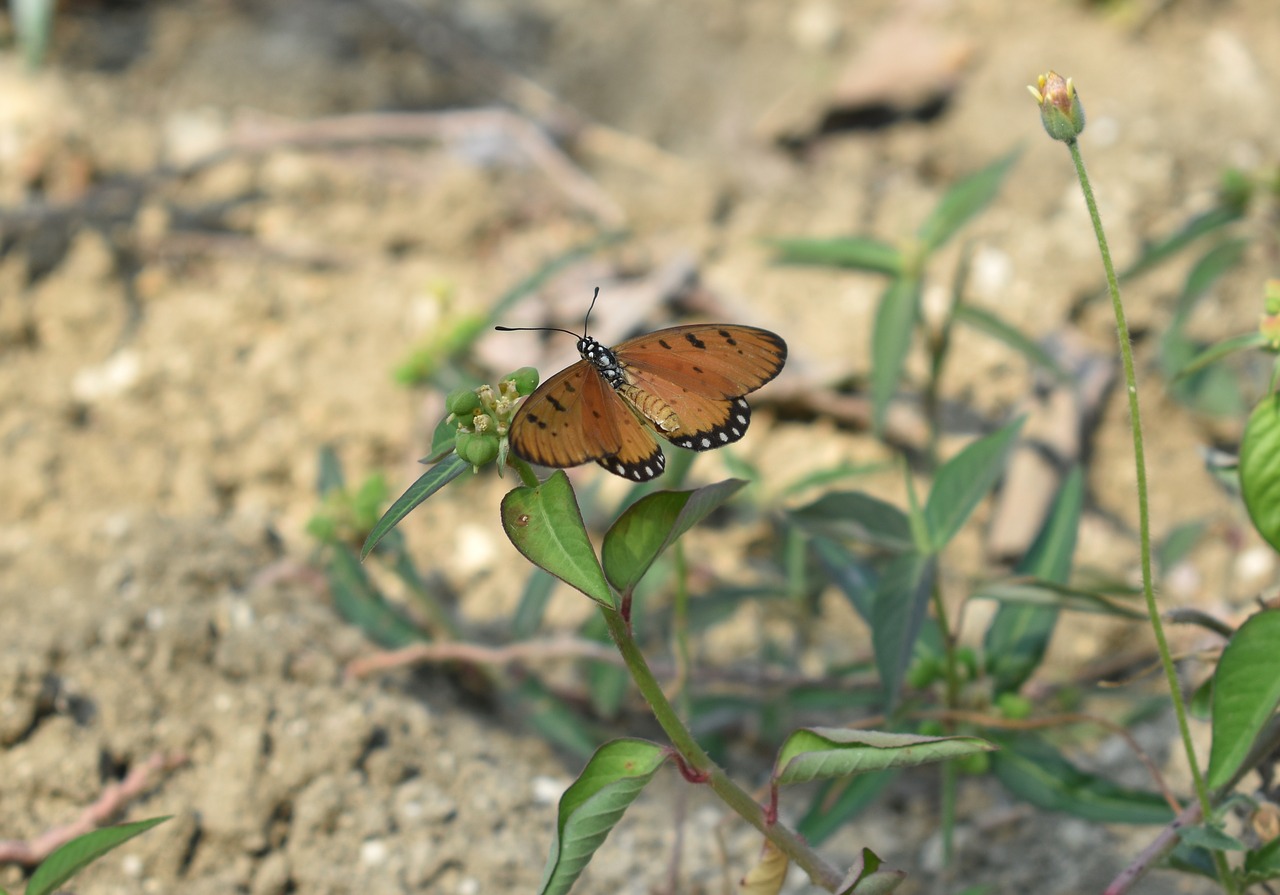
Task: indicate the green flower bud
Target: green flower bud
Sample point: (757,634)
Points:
(1061,112)
(526,380)
(462,402)
(923,672)
(1014,706)
(975,764)
(477,450)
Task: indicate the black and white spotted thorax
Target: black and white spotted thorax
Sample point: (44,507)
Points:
(604,360)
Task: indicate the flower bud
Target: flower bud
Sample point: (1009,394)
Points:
(526,380)
(1269,326)
(477,450)
(1061,112)
(462,402)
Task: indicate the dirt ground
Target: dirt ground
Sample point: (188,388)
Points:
(182,328)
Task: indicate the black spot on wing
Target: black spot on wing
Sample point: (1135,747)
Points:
(694,341)
(727,432)
(638,471)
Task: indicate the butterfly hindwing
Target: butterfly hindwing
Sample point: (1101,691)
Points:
(689,381)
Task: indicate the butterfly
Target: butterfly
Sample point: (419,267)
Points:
(687,383)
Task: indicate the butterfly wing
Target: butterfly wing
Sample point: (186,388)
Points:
(575,417)
(689,381)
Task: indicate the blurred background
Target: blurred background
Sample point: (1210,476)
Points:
(233,234)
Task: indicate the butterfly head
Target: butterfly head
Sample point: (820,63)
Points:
(602,358)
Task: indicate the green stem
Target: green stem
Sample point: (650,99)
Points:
(949,778)
(695,757)
(1144,514)
(527,475)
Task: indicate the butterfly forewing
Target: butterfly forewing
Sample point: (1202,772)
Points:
(568,420)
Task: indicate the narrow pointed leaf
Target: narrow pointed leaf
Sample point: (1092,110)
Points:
(1030,592)
(1212,266)
(427,484)
(1208,837)
(1260,469)
(848,573)
(594,804)
(329,475)
(69,859)
(853,252)
(359,602)
(896,317)
(898,614)
(822,753)
(443,438)
(964,200)
(545,524)
(533,604)
(652,524)
(1246,691)
(1036,772)
(1018,636)
(1249,341)
(986,322)
(964,480)
(857,516)
(840,801)
(1171,245)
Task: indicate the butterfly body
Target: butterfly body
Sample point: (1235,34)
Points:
(686,382)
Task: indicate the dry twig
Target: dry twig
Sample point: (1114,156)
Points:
(114,798)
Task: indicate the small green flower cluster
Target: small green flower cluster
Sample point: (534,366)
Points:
(484,414)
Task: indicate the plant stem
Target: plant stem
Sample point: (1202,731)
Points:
(1144,513)
(527,475)
(695,757)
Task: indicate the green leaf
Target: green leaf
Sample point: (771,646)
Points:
(1263,863)
(1178,543)
(846,251)
(1211,267)
(964,480)
(532,605)
(427,484)
(1018,636)
(555,720)
(360,603)
(69,859)
(1260,469)
(652,524)
(443,438)
(1036,772)
(329,475)
(866,877)
(823,753)
(1031,592)
(986,322)
(1164,249)
(593,805)
(890,339)
(1249,341)
(1246,691)
(545,524)
(964,200)
(901,601)
(856,581)
(858,516)
(1209,837)
(829,812)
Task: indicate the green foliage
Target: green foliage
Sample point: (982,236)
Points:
(72,857)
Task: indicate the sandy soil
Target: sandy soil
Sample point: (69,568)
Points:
(180,333)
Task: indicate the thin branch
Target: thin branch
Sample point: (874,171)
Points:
(114,798)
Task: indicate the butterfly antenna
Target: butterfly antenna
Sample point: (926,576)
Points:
(536,329)
(589,307)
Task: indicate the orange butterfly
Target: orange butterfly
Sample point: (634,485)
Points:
(687,382)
